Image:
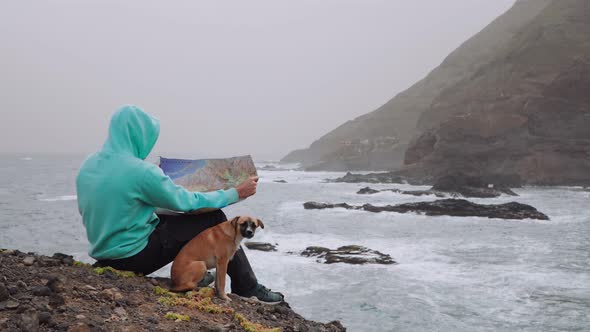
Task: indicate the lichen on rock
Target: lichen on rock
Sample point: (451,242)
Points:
(120,273)
(175,316)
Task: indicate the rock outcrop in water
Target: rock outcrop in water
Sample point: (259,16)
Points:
(351,254)
(384,177)
(40,293)
(446,207)
(378,140)
(260,246)
(371,191)
(470,186)
(457,185)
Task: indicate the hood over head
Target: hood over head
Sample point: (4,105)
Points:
(132,131)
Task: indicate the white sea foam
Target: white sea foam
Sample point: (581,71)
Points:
(26,158)
(296,177)
(454,273)
(59,198)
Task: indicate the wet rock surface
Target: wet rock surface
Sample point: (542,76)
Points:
(351,254)
(71,296)
(458,185)
(446,207)
(371,191)
(470,186)
(261,246)
(387,177)
(321,206)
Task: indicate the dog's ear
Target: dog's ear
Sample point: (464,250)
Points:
(234,221)
(259,223)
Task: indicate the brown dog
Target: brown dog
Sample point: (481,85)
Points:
(212,248)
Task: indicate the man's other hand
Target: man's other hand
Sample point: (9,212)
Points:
(247,188)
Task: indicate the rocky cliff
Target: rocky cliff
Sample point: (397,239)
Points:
(40,293)
(378,140)
(526,111)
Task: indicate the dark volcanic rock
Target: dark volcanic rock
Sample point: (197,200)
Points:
(458,185)
(387,177)
(3,292)
(44,317)
(525,112)
(447,207)
(367,191)
(320,206)
(469,186)
(262,246)
(424,193)
(351,254)
(65,259)
(370,191)
(41,291)
(54,283)
(135,305)
(48,261)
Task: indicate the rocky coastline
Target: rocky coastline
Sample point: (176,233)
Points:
(457,185)
(41,293)
(511,100)
(445,207)
(380,177)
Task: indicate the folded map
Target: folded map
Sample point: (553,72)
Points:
(205,175)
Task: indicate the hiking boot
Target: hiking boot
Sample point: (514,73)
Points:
(207,280)
(264,294)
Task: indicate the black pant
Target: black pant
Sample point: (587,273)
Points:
(171,234)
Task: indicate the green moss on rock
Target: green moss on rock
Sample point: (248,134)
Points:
(81,264)
(249,326)
(175,316)
(122,274)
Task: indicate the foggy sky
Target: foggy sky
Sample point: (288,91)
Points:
(225,78)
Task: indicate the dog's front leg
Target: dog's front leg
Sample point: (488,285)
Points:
(220,278)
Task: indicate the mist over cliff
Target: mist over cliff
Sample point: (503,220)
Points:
(534,55)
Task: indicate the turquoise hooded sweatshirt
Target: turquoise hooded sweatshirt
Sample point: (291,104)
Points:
(118,191)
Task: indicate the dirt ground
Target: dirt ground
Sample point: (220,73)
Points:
(40,293)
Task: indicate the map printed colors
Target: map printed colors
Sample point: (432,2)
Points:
(205,175)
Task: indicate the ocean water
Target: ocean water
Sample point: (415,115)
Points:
(454,274)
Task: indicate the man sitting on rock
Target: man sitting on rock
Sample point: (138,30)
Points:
(118,193)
